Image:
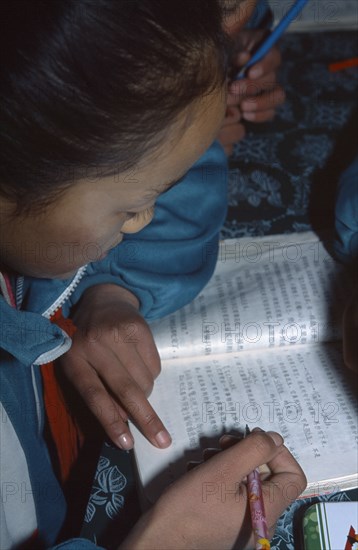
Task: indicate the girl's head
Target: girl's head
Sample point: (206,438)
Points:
(103,105)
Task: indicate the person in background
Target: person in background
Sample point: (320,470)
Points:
(346,251)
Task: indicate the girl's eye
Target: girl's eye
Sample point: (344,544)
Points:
(142,214)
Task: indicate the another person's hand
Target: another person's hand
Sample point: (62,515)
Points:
(113,362)
(208,506)
(350,332)
(255,97)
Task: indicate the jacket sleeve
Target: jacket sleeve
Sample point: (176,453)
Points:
(168,263)
(346,218)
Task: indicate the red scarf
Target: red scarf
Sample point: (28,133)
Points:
(64,429)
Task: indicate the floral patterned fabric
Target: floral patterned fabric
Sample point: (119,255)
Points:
(107,489)
(283,178)
(113,505)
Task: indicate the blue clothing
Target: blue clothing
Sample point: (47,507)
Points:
(165,266)
(346,224)
(78,544)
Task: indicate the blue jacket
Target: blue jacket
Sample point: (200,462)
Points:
(165,266)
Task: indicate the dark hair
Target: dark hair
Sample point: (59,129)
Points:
(93,83)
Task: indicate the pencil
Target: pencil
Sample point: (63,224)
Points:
(340,65)
(257,509)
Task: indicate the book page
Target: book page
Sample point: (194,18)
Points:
(303,393)
(265,293)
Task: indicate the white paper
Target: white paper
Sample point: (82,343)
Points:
(302,393)
(267,292)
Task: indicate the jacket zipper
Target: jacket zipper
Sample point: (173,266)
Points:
(65,294)
(19,291)
(59,301)
(54,353)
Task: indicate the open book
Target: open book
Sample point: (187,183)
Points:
(259,346)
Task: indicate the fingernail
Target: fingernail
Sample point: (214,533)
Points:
(249,116)
(255,72)
(257,429)
(235,87)
(163,439)
(277,439)
(126,442)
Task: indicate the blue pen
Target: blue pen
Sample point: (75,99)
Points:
(273,37)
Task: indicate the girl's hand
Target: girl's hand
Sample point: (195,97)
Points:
(255,97)
(113,363)
(259,93)
(208,506)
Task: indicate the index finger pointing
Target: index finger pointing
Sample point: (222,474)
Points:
(144,417)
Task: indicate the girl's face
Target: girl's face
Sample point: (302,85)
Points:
(92,216)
